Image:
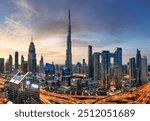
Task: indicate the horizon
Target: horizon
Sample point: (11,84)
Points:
(95,23)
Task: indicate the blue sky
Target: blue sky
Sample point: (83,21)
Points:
(105,24)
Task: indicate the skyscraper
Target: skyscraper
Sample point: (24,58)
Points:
(84,67)
(144,70)
(1,65)
(138,68)
(96,66)
(42,65)
(132,72)
(118,57)
(22,59)
(105,60)
(69,49)
(32,58)
(16,60)
(10,63)
(90,62)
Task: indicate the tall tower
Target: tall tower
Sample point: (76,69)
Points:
(138,68)
(32,58)
(22,59)
(96,66)
(90,62)
(118,57)
(16,60)
(42,65)
(105,60)
(69,49)
(132,71)
(10,63)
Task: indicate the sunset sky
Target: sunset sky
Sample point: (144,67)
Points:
(105,24)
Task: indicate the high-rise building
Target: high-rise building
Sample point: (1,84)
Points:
(118,57)
(125,69)
(24,67)
(22,59)
(138,68)
(16,60)
(42,65)
(69,48)
(132,72)
(96,66)
(32,58)
(78,68)
(90,62)
(144,70)
(7,66)
(1,65)
(24,89)
(105,65)
(148,68)
(84,67)
(10,63)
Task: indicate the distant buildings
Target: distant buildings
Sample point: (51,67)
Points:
(10,63)
(96,66)
(1,65)
(78,68)
(144,70)
(138,68)
(49,71)
(32,58)
(22,59)
(84,67)
(105,68)
(118,57)
(90,62)
(148,68)
(24,67)
(132,72)
(16,61)
(42,65)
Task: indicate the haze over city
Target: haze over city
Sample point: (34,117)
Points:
(103,24)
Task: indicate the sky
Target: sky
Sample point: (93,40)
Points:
(104,24)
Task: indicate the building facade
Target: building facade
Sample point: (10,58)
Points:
(32,67)
(69,46)
(90,62)
(1,65)
(16,60)
(96,66)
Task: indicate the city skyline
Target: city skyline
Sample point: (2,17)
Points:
(95,23)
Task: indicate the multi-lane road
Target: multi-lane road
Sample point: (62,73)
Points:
(140,95)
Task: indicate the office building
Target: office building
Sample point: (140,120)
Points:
(132,72)
(32,58)
(42,65)
(138,68)
(118,57)
(1,65)
(16,61)
(96,66)
(105,65)
(24,89)
(84,67)
(144,70)
(10,63)
(78,68)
